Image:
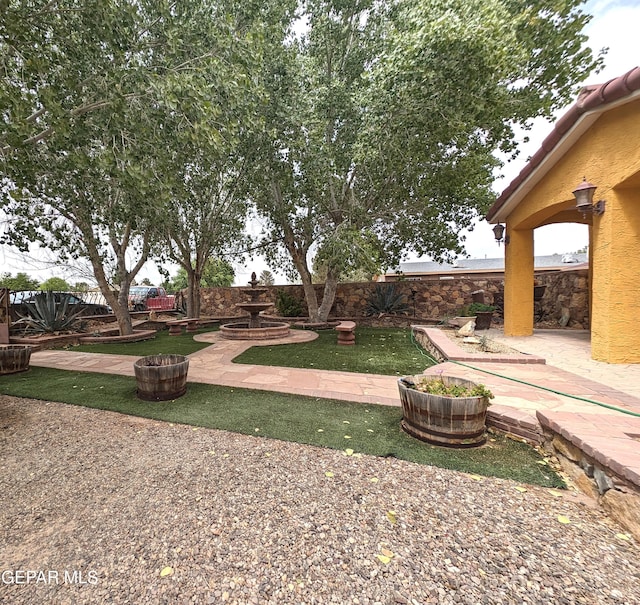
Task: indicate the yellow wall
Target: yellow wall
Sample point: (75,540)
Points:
(518,282)
(608,155)
(616,280)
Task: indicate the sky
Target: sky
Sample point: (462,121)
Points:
(614,25)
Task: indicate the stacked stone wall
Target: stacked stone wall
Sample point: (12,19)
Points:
(566,293)
(566,296)
(221,302)
(618,496)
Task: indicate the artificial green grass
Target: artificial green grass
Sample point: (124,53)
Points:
(161,343)
(388,351)
(365,428)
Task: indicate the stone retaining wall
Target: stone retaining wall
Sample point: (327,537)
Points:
(617,496)
(566,292)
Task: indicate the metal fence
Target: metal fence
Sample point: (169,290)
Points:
(92,297)
(91,303)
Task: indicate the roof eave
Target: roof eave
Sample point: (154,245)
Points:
(592,102)
(511,197)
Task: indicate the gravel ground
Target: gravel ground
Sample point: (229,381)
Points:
(98,505)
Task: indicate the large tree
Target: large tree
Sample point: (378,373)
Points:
(384,119)
(208,215)
(91,91)
(209,198)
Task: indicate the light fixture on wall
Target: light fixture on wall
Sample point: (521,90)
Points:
(584,198)
(498,232)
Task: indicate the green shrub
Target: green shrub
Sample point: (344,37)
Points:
(437,386)
(288,305)
(478,307)
(386,299)
(474,308)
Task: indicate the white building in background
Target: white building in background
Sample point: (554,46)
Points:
(478,267)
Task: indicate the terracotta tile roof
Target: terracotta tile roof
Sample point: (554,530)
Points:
(590,98)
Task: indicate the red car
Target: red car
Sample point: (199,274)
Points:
(150,298)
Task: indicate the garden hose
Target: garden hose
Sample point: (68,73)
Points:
(529,384)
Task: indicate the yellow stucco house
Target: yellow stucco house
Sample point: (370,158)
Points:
(597,140)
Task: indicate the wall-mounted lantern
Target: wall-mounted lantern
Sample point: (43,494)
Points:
(584,198)
(498,232)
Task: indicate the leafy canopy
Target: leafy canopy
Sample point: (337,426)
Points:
(217,273)
(101,101)
(21,281)
(55,284)
(384,119)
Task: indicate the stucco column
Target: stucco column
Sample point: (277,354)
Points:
(518,283)
(615,278)
(591,240)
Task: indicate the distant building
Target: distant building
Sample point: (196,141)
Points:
(479,267)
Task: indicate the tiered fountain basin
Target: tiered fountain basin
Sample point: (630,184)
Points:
(254,328)
(241,330)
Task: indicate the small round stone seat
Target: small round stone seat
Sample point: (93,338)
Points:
(346,333)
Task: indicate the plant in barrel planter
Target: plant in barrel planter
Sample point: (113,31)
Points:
(161,377)
(465,315)
(483,314)
(444,410)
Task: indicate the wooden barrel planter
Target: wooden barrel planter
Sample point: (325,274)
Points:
(443,420)
(161,377)
(14,358)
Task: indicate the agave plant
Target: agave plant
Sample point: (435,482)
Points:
(386,299)
(45,314)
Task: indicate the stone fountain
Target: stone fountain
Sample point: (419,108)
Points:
(255,328)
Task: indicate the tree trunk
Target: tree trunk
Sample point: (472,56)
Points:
(300,262)
(328,296)
(193,293)
(121,311)
(311,299)
(317,313)
(299,257)
(119,303)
